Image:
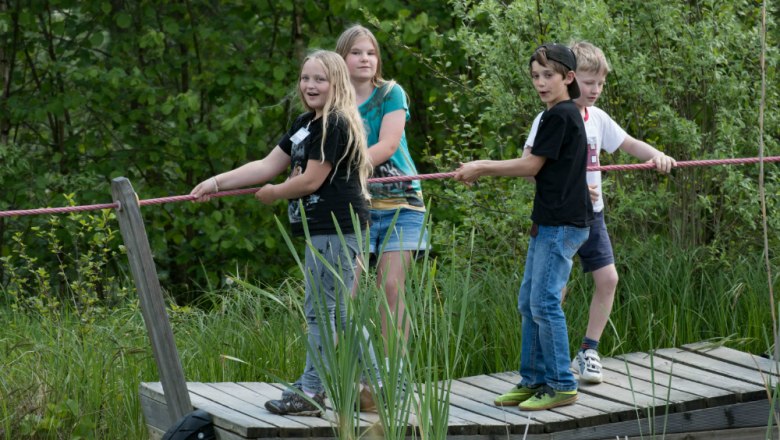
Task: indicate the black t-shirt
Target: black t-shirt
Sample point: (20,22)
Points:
(338,192)
(562,196)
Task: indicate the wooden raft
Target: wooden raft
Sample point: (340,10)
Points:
(699,390)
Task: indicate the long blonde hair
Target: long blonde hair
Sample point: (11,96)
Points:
(348,38)
(341,103)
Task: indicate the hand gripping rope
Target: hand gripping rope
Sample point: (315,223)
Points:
(236,192)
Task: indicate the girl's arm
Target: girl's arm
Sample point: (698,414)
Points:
(297,186)
(258,171)
(643,151)
(390,133)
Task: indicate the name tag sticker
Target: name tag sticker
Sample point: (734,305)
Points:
(299,135)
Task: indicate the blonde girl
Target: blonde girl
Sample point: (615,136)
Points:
(325,151)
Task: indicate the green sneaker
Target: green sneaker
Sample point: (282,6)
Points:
(548,398)
(515,396)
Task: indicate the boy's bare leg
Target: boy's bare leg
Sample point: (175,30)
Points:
(605,280)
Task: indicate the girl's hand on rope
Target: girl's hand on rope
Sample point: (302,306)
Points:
(203,190)
(468,172)
(663,163)
(266,194)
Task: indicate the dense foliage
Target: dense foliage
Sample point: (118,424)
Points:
(168,93)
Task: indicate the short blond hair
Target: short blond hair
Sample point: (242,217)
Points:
(589,58)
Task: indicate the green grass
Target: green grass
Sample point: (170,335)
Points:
(65,375)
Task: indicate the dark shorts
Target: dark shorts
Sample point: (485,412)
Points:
(597,250)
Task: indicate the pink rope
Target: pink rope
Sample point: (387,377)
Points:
(685,164)
(393,179)
(62,210)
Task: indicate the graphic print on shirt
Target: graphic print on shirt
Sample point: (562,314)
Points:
(394,189)
(298,160)
(593,151)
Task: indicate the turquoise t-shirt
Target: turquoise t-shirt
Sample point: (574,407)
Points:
(381,102)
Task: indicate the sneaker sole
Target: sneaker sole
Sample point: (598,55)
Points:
(274,410)
(591,379)
(564,402)
(508,402)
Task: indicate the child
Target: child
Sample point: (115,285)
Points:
(384,109)
(596,254)
(561,215)
(326,152)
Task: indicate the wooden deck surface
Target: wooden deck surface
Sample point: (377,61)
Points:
(696,389)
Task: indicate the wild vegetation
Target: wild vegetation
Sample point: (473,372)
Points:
(167,93)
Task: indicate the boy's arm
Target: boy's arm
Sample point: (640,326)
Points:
(524,166)
(527,152)
(643,151)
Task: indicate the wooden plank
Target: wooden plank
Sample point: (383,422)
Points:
(474,399)
(147,284)
(638,403)
(613,410)
(156,433)
(155,413)
(455,425)
(317,425)
(710,396)
(725,368)
(742,390)
(676,400)
(565,417)
(290,426)
(365,420)
(726,354)
(761,433)
(479,423)
(476,395)
(700,386)
(227,394)
(738,415)
(222,416)
(683,400)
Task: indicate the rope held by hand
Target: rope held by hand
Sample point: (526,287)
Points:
(393,179)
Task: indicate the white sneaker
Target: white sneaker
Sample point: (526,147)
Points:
(588,364)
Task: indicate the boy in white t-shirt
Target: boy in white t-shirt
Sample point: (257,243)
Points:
(596,254)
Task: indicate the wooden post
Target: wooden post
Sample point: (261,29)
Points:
(152,304)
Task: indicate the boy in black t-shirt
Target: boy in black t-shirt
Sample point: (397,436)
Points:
(562,214)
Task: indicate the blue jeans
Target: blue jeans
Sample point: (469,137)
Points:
(545,340)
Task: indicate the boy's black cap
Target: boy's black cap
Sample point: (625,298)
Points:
(564,55)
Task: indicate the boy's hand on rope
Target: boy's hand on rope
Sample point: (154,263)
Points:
(468,172)
(594,192)
(663,163)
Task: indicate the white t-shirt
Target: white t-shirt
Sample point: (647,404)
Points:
(603,134)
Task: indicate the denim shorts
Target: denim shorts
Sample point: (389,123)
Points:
(597,250)
(406,233)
